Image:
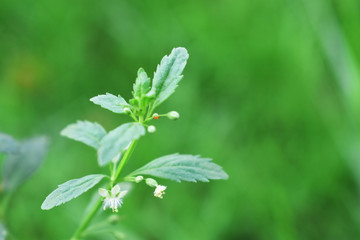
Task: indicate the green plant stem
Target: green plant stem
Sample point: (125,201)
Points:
(86,221)
(124,160)
(4,205)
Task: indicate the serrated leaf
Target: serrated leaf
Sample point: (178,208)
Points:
(70,190)
(111,102)
(117,140)
(85,132)
(168,75)
(8,144)
(181,167)
(22,165)
(142,84)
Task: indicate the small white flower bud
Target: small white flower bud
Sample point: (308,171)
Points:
(156,116)
(127,110)
(139,179)
(151,129)
(151,182)
(173,115)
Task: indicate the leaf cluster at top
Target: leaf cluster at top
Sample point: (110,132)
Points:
(147,94)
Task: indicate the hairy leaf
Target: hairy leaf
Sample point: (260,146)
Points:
(70,190)
(20,166)
(117,140)
(168,75)
(8,144)
(142,84)
(181,167)
(111,102)
(85,132)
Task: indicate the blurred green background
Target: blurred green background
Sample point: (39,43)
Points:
(271,93)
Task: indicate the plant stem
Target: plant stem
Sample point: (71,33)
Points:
(86,221)
(124,160)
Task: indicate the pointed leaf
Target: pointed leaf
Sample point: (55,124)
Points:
(142,84)
(70,190)
(181,167)
(113,103)
(8,144)
(168,74)
(85,132)
(117,140)
(22,165)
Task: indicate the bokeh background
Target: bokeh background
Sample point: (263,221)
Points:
(271,92)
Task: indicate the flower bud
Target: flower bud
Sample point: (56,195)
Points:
(173,115)
(127,110)
(151,182)
(151,129)
(156,116)
(138,179)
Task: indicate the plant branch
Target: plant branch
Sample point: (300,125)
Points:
(85,223)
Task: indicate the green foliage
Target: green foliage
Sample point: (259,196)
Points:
(182,167)
(168,75)
(70,190)
(85,132)
(21,165)
(141,87)
(8,144)
(110,102)
(117,140)
(116,147)
(260,96)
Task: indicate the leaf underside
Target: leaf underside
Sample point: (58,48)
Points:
(70,190)
(110,102)
(20,166)
(117,140)
(85,132)
(8,144)
(181,167)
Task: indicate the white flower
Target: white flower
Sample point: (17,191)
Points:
(113,199)
(159,191)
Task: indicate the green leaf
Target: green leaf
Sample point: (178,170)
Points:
(113,103)
(85,132)
(117,140)
(22,165)
(181,167)
(70,190)
(168,75)
(8,144)
(142,85)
